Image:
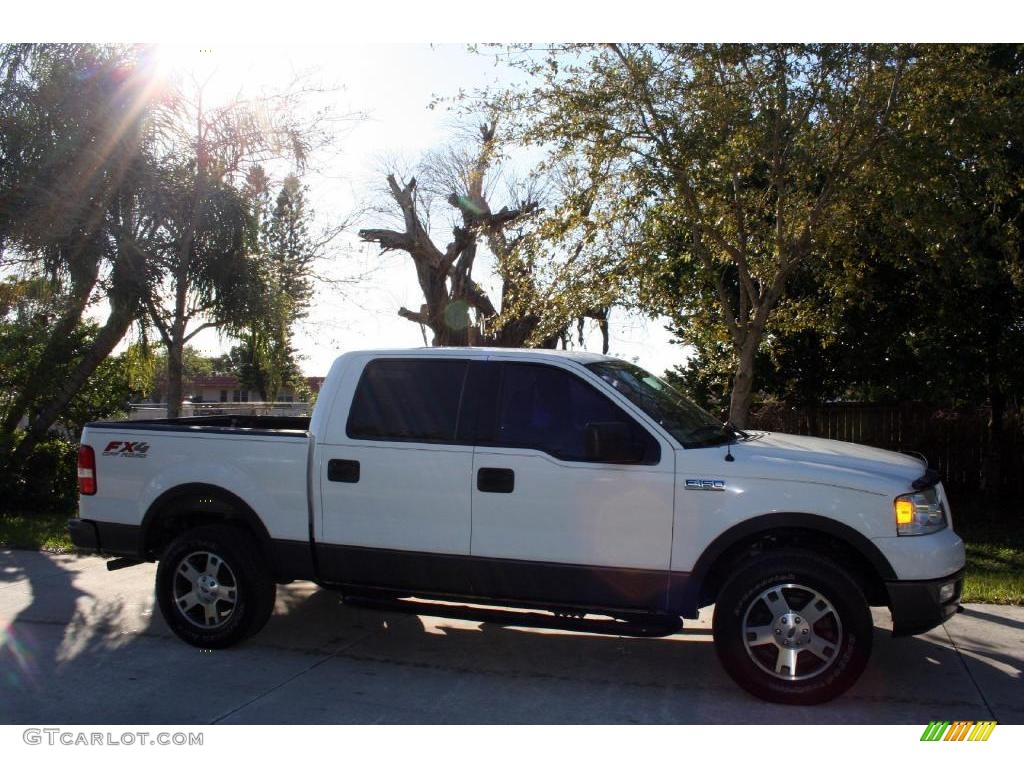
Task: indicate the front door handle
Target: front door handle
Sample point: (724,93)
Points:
(343,471)
(495,480)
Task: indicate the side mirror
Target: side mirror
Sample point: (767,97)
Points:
(612,442)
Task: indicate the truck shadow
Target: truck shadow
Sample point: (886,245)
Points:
(652,676)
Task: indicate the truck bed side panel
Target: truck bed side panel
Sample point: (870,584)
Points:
(268,472)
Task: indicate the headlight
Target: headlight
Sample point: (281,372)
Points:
(919,513)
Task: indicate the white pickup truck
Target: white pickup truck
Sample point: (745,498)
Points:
(569,482)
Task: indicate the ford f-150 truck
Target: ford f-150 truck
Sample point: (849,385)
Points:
(563,481)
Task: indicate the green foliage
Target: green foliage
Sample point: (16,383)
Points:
(266,368)
(104,394)
(75,176)
(706,377)
(265,360)
(289,249)
(959,176)
(72,117)
(141,367)
(207,252)
(43,482)
(25,310)
(921,296)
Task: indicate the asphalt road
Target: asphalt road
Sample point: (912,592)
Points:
(81,645)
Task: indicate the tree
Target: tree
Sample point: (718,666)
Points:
(210,265)
(535,304)
(208,273)
(253,368)
(288,258)
(72,203)
(730,161)
(930,304)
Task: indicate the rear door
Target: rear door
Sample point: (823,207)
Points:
(551,525)
(394,483)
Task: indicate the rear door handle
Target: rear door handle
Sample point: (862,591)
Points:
(495,480)
(343,471)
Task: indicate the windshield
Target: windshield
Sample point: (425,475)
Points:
(687,422)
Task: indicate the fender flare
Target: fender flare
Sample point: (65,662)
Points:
(689,593)
(214,499)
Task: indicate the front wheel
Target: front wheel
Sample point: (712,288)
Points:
(213,588)
(793,628)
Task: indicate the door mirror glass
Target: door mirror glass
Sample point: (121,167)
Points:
(612,442)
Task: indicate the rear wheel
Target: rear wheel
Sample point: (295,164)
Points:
(793,628)
(213,588)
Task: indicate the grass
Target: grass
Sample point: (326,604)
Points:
(47,532)
(995,562)
(995,552)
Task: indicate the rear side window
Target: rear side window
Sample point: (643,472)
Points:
(407,400)
(548,408)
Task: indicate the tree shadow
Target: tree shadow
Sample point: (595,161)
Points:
(55,623)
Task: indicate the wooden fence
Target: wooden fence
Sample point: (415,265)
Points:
(956,442)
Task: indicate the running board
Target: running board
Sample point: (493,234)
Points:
(654,627)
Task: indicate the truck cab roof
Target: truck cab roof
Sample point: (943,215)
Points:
(580,356)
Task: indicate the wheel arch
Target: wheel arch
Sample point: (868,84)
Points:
(194,504)
(816,533)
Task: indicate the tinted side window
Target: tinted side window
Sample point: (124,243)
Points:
(407,400)
(549,409)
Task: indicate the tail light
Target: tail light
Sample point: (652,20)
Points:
(86,470)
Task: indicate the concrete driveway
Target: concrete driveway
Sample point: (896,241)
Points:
(81,645)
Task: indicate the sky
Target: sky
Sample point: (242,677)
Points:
(387,90)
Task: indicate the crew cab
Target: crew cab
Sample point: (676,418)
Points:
(567,482)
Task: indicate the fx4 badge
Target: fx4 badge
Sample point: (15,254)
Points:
(136,450)
(705,485)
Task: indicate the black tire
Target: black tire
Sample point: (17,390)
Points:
(756,635)
(235,597)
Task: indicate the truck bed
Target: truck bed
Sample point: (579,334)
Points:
(260,460)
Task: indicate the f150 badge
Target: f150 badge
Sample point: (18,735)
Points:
(705,485)
(135,450)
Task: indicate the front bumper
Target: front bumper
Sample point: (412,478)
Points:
(105,538)
(922,558)
(918,606)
